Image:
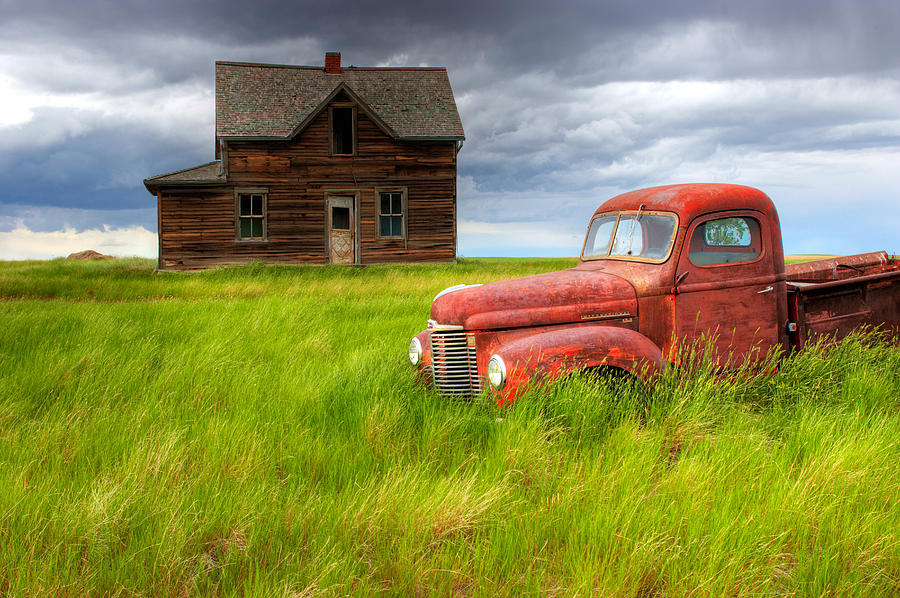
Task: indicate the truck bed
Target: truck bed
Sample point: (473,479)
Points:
(836,295)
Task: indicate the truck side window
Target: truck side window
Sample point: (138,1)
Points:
(726,241)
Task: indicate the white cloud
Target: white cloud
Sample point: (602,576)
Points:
(466,185)
(401,59)
(16,102)
(21,243)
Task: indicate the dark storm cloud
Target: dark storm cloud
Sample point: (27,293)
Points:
(574,39)
(102,169)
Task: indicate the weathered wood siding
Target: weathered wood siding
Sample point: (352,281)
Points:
(198,226)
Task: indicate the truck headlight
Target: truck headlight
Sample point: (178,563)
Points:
(415,351)
(496,372)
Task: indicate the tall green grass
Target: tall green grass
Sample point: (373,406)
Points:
(258,431)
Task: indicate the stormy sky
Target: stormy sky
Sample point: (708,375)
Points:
(564,105)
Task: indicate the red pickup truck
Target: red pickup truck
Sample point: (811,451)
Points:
(660,267)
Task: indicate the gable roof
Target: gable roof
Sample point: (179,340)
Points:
(206,174)
(272,101)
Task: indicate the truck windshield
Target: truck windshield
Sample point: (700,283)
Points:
(634,235)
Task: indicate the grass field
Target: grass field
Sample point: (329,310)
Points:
(258,431)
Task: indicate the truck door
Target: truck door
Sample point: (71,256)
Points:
(727,292)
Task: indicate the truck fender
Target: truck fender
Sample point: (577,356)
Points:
(549,355)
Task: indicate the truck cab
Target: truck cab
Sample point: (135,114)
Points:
(721,273)
(660,268)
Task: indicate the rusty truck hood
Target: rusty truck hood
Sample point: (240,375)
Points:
(540,300)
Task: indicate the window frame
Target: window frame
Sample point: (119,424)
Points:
(353,128)
(403,214)
(265,215)
(626,258)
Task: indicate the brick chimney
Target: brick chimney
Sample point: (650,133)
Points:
(333,63)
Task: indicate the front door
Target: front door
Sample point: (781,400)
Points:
(727,292)
(341,225)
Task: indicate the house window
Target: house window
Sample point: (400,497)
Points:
(392,214)
(342,131)
(251,216)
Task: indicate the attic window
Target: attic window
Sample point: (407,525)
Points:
(342,131)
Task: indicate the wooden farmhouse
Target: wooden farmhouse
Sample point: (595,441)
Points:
(318,165)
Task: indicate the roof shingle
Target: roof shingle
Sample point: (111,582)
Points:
(271,101)
(205,174)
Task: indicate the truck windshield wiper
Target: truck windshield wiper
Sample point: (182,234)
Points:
(631,232)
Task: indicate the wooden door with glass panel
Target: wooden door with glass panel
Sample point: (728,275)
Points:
(341,238)
(726,287)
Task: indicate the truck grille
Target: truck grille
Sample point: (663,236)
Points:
(453,363)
